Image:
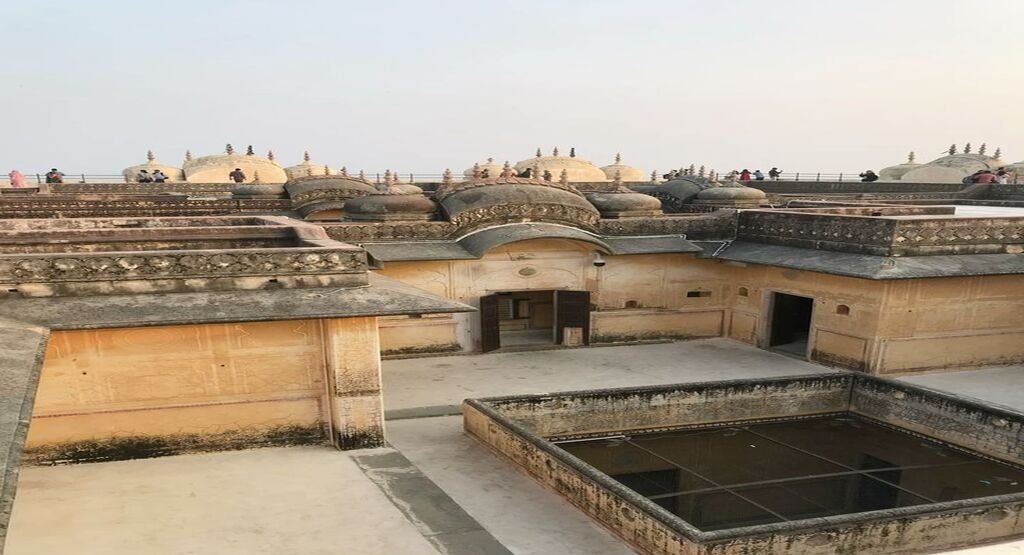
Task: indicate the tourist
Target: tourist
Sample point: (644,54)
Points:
(528,172)
(774,173)
(159,176)
(745,175)
(758,175)
(485,174)
(143,177)
(972,178)
(237,176)
(54,176)
(1003,176)
(868,177)
(986,176)
(547,175)
(17,179)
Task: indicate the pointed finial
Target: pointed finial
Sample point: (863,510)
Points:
(997,153)
(446,177)
(618,178)
(952,149)
(691,169)
(343,171)
(229,149)
(490,160)
(476,171)
(654,176)
(564,177)
(249,151)
(270,155)
(967,148)
(713,176)
(538,152)
(982,149)
(255,176)
(388,179)
(506,170)
(149,156)
(362,175)
(555,152)
(327,170)
(618,158)
(572,152)
(305,156)
(188,155)
(910,157)
(700,172)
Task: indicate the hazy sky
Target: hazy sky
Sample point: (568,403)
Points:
(424,85)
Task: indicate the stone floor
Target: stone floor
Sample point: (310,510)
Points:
(436,490)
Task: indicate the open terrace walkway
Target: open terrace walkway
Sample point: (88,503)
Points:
(434,491)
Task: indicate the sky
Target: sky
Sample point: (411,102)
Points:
(418,86)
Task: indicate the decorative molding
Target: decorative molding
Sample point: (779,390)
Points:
(513,212)
(389,231)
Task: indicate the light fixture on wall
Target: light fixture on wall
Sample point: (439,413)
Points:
(598,260)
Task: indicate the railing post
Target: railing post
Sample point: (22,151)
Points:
(818,177)
(410,178)
(83,179)
(797,177)
(840,177)
(39,180)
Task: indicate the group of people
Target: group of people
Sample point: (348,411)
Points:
(758,175)
(1000,176)
(145,177)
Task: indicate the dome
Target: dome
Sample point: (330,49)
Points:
(577,169)
(394,202)
(492,168)
(215,168)
(307,168)
(731,194)
(625,173)
(624,203)
(508,199)
(151,165)
(895,173)
(259,190)
(324,197)
(952,168)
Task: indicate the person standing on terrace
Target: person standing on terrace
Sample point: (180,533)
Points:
(17,179)
(54,176)
(237,176)
(774,173)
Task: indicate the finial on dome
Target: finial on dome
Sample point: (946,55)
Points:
(713,176)
(563,178)
(555,151)
(490,160)
(910,157)
(255,176)
(618,158)
(476,171)
(343,171)
(617,181)
(388,179)
(572,152)
(982,149)
(546,176)
(362,175)
(228,149)
(538,152)
(967,148)
(692,169)
(270,155)
(327,170)
(506,170)
(997,153)
(249,151)
(700,172)
(188,155)
(305,156)
(952,149)
(446,177)
(149,156)
(654,176)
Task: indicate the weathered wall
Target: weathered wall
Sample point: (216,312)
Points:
(136,392)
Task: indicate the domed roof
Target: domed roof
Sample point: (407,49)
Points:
(895,173)
(507,199)
(215,168)
(681,190)
(302,189)
(173,173)
(394,201)
(259,190)
(731,193)
(577,169)
(307,168)
(492,169)
(953,167)
(622,202)
(623,171)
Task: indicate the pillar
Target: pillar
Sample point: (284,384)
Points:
(352,352)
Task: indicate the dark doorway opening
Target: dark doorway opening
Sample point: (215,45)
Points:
(517,319)
(790,323)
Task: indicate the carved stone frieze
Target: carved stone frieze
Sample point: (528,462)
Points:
(389,231)
(512,212)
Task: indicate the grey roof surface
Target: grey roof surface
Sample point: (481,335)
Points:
(418,250)
(871,266)
(384,296)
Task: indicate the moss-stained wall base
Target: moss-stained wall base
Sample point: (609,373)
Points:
(360,440)
(145,447)
(422,350)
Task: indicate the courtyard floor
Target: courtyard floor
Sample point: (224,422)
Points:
(434,491)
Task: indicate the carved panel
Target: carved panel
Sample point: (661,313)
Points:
(545,212)
(389,231)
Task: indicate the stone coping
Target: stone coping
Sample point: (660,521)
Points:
(511,426)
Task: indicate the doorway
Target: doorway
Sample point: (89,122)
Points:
(790,324)
(516,319)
